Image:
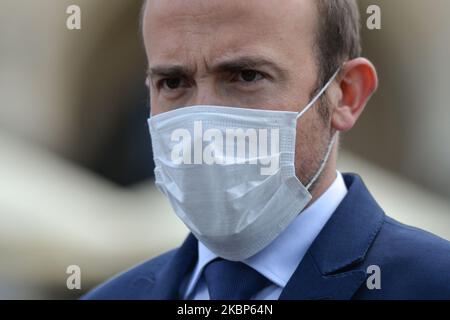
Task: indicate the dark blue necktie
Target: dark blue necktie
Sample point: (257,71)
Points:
(229,280)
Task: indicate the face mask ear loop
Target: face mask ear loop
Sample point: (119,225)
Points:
(324,162)
(313,101)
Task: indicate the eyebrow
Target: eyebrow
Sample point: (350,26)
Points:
(169,71)
(248,62)
(231,65)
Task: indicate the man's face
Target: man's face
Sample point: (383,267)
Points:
(253,54)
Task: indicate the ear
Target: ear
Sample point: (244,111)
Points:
(357,81)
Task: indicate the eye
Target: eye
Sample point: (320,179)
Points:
(171,83)
(250,76)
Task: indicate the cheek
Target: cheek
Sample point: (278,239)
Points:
(304,141)
(308,145)
(155,106)
(263,100)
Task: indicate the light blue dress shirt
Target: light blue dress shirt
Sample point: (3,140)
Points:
(278,261)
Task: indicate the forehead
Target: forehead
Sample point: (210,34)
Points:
(179,30)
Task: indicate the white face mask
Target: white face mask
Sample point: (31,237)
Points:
(229,173)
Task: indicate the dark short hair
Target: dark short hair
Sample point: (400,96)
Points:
(338,35)
(337,40)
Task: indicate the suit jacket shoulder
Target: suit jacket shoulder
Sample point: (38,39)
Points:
(131,283)
(414,264)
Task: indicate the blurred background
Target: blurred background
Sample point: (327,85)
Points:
(75,155)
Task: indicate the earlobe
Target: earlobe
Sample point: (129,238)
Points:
(358,81)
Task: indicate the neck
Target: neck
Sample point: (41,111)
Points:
(327,177)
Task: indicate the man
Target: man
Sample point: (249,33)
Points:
(284,225)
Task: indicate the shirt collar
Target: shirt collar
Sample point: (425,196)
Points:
(278,261)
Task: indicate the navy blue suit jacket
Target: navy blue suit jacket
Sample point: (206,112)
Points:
(414,264)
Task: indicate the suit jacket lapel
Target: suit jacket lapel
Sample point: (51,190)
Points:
(331,269)
(169,279)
